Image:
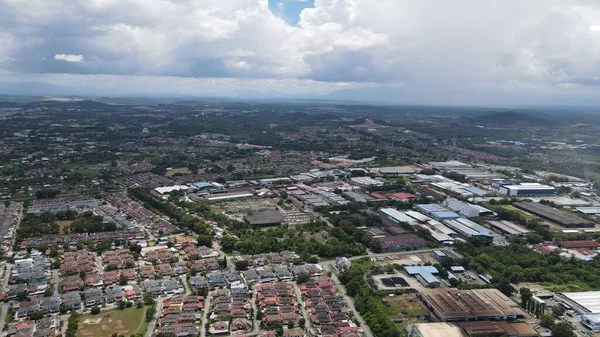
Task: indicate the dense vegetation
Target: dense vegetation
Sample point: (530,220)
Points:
(367,302)
(517,263)
(89,223)
(37,225)
(312,239)
(177,215)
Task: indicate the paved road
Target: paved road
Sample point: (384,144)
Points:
(304,311)
(4,306)
(350,304)
(255,322)
(152,324)
(204,315)
(183,278)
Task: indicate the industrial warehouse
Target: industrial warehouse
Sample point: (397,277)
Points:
(526,190)
(450,304)
(586,304)
(561,218)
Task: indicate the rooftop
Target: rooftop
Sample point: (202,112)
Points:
(552,214)
(264,218)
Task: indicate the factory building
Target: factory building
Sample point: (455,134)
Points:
(586,304)
(396,216)
(449,304)
(466,209)
(561,218)
(526,190)
(264,219)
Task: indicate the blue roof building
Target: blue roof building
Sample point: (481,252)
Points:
(445,215)
(426,273)
(204,185)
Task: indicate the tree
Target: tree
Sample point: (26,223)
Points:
(558,310)
(302,278)
(204,240)
(150,313)
(242,265)
(95,310)
(290,325)
(505,287)
(121,305)
(36,315)
(302,323)
(123,280)
(63,309)
(228,243)
(562,329)
(148,300)
(49,292)
(525,296)
(546,321)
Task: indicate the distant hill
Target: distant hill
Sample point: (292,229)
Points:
(508,118)
(82,104)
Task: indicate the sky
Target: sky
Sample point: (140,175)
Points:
(403,51)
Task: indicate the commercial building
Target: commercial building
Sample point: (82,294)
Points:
(401,242)
(561,218)
(365,181)
(424,274)
(397,170)
(437,212)
(433,330)
(466,209)
(264,218)
(396,216)
(450,304)
(469,228)
(578,244)
(486,329)
(586,304)
(526,190)
(169,189)
(509,228)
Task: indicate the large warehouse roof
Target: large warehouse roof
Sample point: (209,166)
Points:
(555,215)
(589,301)
(397,215)
(264,218)
(449,303)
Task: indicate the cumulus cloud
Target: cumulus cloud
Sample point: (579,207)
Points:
(424,45)
(69,58)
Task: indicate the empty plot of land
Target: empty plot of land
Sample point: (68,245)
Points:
(404,310)
(123,322)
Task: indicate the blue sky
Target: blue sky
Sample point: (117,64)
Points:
(290,9)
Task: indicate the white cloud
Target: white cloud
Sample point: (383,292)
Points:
(433,45)
(69,58)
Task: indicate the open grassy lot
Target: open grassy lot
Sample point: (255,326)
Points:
(238,208)
(123,322)
(181,170)
(406,307)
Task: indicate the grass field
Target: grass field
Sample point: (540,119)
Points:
(181,170)
(123,322)
(405,306)
(87,172)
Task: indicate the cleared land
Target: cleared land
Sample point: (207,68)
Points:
(404,309)
(181,170)
(123,322)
